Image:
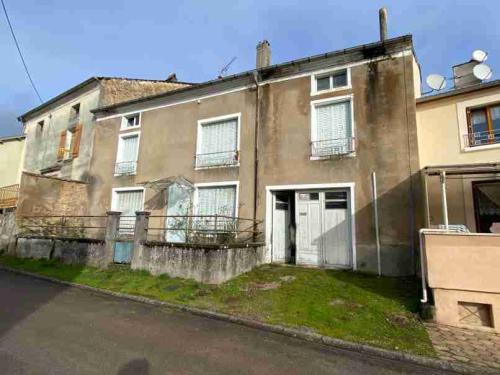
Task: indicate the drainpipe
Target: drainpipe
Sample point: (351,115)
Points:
(444,201)
(377,229)
(256,149)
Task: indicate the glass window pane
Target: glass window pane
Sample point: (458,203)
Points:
(495,117)
(478,121)
(323,83)
(340,79)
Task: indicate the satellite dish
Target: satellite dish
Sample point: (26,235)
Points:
(479,56)
(436,81)
(482,72)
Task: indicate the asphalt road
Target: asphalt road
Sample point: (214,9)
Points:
(51,329)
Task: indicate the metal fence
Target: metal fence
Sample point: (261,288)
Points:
(9,196)
(482,138)
(333,147)
(217,159)
(63,226)
(204,229)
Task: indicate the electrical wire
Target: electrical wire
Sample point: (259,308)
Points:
(19,50)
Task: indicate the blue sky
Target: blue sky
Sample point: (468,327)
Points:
(65,42)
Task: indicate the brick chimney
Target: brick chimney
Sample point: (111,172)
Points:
(263,54)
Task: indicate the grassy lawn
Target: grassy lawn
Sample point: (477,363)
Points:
(345,305)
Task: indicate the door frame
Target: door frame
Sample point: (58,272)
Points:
(349,186)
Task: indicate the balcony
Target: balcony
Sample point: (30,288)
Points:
(124,168)
(9,196)
(217,159)
(332,147)
(482,138)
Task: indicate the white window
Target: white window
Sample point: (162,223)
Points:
(332,127)
(218,142)
(330,81)
(68,143)
(127,201)
(216,200)
(131,121)
(128,150)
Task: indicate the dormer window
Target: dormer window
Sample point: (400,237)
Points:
(331,81)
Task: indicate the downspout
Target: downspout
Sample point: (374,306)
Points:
(375,216)
(256,150)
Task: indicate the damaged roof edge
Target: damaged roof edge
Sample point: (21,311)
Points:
(262,71)
(81,85)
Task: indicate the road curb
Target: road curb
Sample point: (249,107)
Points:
(291,332)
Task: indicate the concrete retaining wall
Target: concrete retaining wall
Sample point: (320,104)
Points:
(69,251)
(212,266)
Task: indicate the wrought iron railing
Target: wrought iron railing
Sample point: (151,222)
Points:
(482,138)
(125,167)
(9,196)
(204,229)
(63,226)
(217,159)
(332,147)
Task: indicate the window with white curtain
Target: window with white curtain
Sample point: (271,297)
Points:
(128,149)
(332,132)
(216,200)
(217,142)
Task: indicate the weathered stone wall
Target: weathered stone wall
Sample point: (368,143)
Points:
(44,195)
(117,90)
(68,251)
(212,266)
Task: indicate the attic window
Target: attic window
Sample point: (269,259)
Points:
(331,81)
(131,121)
(75,113)
(39,127)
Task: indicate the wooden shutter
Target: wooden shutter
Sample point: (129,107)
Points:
(77,135)
(62,143)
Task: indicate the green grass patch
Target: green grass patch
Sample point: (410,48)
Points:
(346,305)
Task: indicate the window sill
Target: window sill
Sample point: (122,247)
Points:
(130,128)
(336,89)
(217,167)
(481,148)
(335,156)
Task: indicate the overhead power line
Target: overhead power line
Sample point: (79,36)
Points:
(20,54)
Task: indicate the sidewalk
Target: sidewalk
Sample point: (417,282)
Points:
(469,346)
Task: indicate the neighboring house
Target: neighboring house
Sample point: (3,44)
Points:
(11,159)
(459,148)
(293,144)
(60,136)
(459,135)
(59,132)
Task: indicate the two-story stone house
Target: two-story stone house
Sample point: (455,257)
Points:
(294,145)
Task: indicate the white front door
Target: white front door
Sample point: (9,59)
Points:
(336,229)
(308,219)
(280,228)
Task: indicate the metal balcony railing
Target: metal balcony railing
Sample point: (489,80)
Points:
(217,159)
(125,168)
(482,138)
(332,147)
(9,196)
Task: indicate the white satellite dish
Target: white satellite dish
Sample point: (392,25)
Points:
(436,81)
(482,72)
(479,56)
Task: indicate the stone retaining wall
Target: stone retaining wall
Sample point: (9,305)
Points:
(204,264)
